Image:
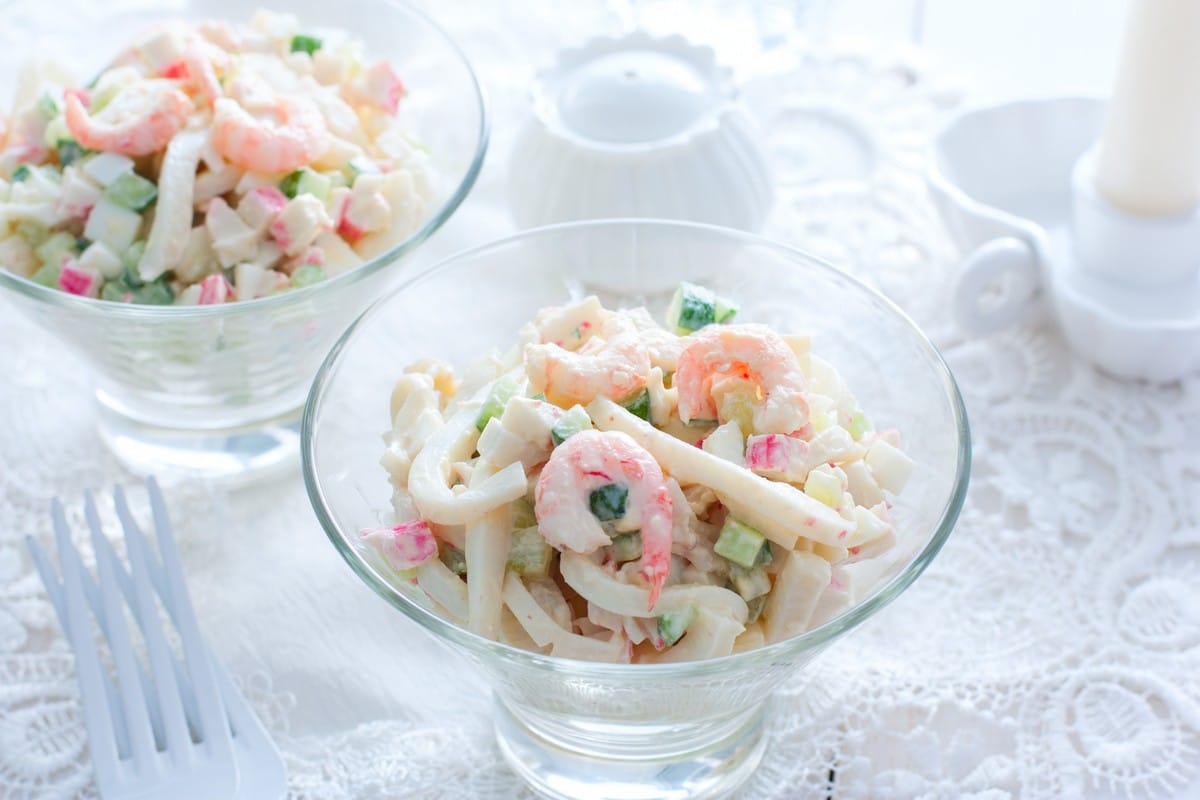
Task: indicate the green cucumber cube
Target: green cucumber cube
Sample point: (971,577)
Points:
(608,502)
(674,624)
(302,43)
(739,543)
(502,391)
(132,191)
(155,293)
(305,181)
(859,426)
(54,249)
(755,607)
(133,256)
(627,547)
(573,421)
(69,151)
(639,406)
(47,275)
(307,275)
(21,173)
(749,583)
(529,554)
(46,106)
(694,306)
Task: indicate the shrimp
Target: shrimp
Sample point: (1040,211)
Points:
(293,139)
(742,372)
(141,119)
(588,461)
(615,363)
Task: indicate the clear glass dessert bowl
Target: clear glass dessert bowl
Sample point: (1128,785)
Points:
(216,391)
(576,729)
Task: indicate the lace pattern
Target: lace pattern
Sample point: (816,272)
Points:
(1052,650)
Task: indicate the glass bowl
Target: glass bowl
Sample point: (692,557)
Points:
(216,391)
(577,729)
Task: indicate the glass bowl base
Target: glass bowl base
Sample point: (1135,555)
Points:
(713,765)
(230,456)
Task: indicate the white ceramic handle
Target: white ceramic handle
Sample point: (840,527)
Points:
(1007,265)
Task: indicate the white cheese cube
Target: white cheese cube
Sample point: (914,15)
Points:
(100,258)
(115,226)
(889,465)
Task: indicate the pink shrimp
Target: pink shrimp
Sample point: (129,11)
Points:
(588,461)
(292,140)
(743,372)
(141,119)
(198,70)
(614,363)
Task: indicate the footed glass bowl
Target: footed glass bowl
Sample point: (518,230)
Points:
(216,391)
(576,729)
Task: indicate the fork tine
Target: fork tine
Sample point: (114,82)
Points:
(125,583)
(97,714)
(166,715)
(214,725)
(133,697)
(54,590)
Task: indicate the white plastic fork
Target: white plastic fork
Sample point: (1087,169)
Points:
(194,735)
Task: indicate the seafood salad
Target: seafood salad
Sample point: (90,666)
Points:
(209,163)
(614,490)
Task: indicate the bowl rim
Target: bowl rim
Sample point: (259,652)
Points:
(782,651)
(57,297)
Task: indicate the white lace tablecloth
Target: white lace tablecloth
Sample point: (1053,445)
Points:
(1052,650)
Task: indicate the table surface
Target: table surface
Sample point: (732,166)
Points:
(1052,650)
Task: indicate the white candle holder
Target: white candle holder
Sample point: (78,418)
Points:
(1125,289)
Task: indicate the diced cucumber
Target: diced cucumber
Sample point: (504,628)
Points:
(755,608)
(130,289)
(453,558)
(155,293)
(694,306)
(46,106)
(573,421)
(302,43)
(47,275)
(739,543)
(104,168)
(639,406)
(133,256)
(69,151)
(502,391)
(824,487)
(112,224)
(627,547)
(529,554)
(522,514)
(608,502)
(116,291)
(57,247)
(539,396)
(765,555)
(34,233)
(674,624)
(859,426)
(305,181)
(749,583)
(21,173)
(724,310)
(131,191)
(307,275)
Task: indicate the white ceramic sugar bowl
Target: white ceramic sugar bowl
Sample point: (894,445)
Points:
(638,126)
